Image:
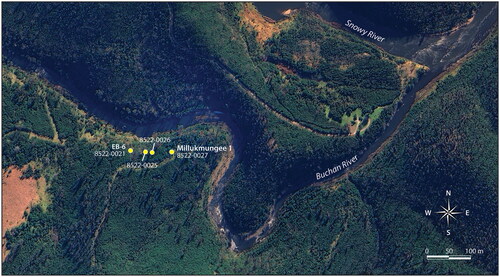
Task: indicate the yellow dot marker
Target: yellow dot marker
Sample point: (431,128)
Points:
(151,152)
(171,151)
(145,151)
(130,150)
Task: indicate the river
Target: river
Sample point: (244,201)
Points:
(274,10)
(437,52)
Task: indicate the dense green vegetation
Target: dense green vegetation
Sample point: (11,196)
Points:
(22,108)
(449,141)
(307,67)
(131,57)
(105,218)
(319,231)
(276,152)
(120,54)
(418,17)
(154,217)
(330,70)
(102,213)
(157,224)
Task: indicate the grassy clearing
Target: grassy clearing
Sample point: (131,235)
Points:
(356,118)
(45,199)
(327,112)
(364,128)
(349,119)
(376,113)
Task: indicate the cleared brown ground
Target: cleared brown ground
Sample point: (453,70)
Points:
(368,123)
(285,69)
(353,129)
(264,26)
(310,53)
(18,195)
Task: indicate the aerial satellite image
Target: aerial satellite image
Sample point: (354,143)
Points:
(249,138)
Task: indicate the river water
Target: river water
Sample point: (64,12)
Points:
(274,10)
(437,52)
(90,103)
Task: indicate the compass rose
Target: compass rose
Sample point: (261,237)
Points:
(448,213)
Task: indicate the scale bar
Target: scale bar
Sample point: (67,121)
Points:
(449,257)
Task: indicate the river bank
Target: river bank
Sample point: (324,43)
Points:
(437,52)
